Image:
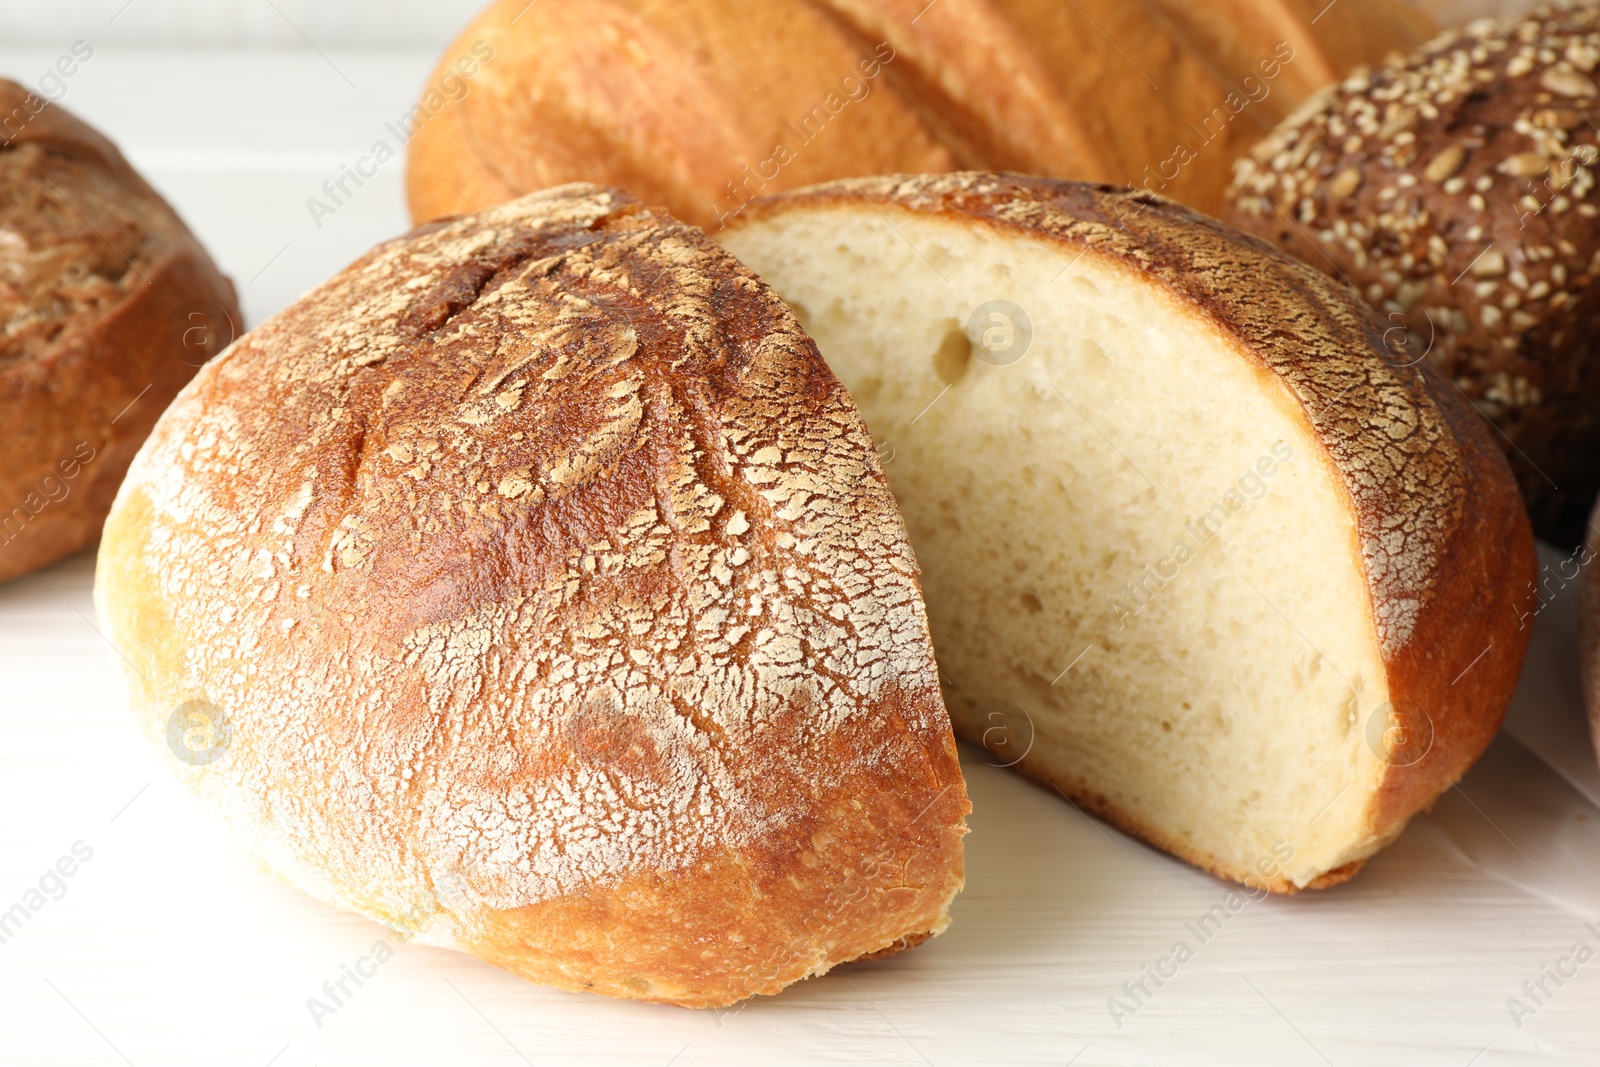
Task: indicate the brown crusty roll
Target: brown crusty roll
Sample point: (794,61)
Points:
(1456,191)
(109,305)
(1195,553)
(703,105)
(533,586)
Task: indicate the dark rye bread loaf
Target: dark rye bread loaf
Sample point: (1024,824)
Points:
(1456,191)
(109,305)
(563,616)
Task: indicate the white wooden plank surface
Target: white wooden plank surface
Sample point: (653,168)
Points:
(169,948)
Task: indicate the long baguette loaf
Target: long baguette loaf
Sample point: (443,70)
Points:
(662,100)
(703,105)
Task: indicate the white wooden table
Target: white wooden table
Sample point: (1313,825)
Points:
(166,947)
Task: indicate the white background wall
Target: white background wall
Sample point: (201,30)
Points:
(327,23)
(344,23)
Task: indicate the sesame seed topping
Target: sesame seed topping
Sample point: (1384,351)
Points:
(1524,165)
(1460,180)
(1569,83)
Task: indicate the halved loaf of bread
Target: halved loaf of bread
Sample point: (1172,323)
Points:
(531,586)
(1193,552)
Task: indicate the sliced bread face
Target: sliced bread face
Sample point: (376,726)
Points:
(1194,553)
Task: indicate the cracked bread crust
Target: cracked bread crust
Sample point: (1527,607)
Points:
(559,610)
(107,307)
(1436,522)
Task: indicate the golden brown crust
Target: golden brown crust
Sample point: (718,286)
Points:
(559,608)
(1455,190)
(704,104)
(685,105)
(446,173)
(109,305)
(1442,535)
(1007,116)
(1325,39)
(1037,114)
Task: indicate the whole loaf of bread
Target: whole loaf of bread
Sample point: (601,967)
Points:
(109,305)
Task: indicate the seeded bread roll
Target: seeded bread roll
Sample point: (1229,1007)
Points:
(551,604)
(109,305)
(1456,191)
(1194,554)
(703,105)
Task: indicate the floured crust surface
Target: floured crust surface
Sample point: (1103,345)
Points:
(1441,536)
(107,307)
(559,609)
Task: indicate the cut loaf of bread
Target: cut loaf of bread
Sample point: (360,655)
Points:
(532,586)
(1193,552)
